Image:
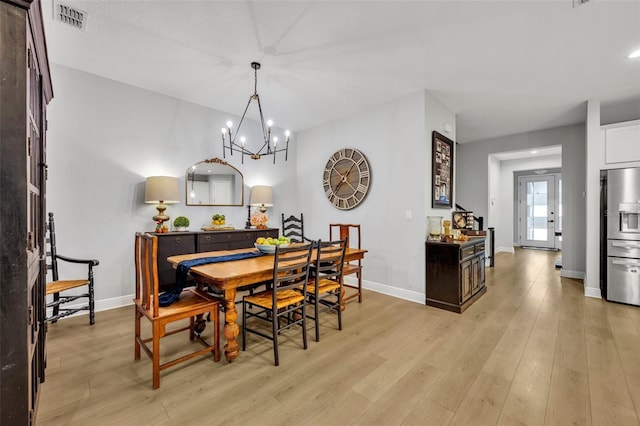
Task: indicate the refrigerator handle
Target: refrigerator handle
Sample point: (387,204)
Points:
(626,245)
(627,263)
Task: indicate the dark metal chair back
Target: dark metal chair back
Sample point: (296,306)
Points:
(293,228)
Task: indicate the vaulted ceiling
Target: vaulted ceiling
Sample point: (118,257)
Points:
(503,67)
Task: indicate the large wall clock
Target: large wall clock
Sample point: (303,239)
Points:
(346,178)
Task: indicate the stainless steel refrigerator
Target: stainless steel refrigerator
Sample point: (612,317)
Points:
(622,217)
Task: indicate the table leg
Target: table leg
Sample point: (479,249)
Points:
(231,348)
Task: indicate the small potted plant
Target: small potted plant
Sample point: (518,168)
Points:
(181,223)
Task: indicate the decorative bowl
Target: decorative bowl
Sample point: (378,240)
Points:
(264,248)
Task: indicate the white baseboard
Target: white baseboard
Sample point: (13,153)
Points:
(505,250)
(101,305)
(400,293)
(579,275)
(592,292)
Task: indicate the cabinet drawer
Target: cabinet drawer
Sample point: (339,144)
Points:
(479,247)
(176,244)
(466,252)
(213,241)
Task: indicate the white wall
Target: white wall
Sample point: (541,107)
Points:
(396,139)
(473,182)
(104,139)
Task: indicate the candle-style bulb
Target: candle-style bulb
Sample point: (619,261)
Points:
(269,123)
(275,141)
(242,140)
(224,130)
(229,124)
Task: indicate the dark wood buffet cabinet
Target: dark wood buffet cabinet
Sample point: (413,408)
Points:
(174,243)
(25,91)
(455,273)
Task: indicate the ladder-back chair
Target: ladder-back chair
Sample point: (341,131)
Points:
(283,305)
(293,228)
(325,287)
(59,306)
(352,233)
(192,305)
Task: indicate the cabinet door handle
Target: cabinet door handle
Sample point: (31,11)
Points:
(178,240)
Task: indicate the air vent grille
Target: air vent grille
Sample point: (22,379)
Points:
(70,15)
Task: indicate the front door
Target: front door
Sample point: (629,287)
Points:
(536,199)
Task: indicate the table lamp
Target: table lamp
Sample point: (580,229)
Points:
(161,190)
(261,196)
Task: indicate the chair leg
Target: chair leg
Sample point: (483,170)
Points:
(359,274)
(136,344)
(316,306)
(304,325)
(339,295)
(274,329)
(92,315)
(156,355)
(56,308)
(215,315)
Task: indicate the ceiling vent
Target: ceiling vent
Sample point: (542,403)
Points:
(70,15)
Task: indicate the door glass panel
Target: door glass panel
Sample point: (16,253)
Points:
(537,211)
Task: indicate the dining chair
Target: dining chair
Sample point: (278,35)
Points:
(58,289)
(282,305)
(352,233)
(325,286)
(293,228)
(192,304)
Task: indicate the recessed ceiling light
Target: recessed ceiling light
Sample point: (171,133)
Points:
(635,54)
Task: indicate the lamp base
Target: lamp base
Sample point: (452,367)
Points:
(248,224)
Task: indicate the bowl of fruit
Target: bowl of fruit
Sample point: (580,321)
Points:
(269,244)
(218,220)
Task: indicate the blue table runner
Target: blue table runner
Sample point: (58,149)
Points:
(170,296)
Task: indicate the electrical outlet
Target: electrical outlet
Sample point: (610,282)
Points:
(409,215)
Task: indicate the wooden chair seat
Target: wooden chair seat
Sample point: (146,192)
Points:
(189,301)
(324,286)
(61,285)
(284,298)
(350,268)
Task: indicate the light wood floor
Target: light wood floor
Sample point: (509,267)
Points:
(532,351)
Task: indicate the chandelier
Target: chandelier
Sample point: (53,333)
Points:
(270,146)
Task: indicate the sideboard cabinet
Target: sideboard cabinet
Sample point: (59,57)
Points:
(455,273)
(175,243)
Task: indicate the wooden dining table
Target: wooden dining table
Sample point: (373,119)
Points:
(232,275)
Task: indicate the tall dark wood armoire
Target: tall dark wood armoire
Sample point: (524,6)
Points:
(25,90)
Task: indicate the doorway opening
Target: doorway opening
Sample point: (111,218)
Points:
(540,209)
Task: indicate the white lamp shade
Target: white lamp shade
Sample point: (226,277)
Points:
(162,188)
(261,195)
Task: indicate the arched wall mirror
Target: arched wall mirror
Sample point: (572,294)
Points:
(214,182)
